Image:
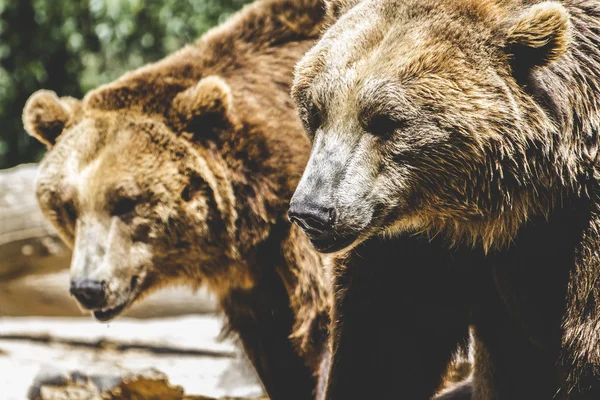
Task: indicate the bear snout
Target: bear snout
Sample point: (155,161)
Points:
(89,293)
(315,220)
(320,223)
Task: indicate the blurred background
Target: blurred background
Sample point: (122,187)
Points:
(72,46)
(48,348)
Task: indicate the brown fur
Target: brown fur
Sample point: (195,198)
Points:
(180,173)
(473,123)
(494,201)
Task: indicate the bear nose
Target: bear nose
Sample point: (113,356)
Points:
(314,219)
(89,293)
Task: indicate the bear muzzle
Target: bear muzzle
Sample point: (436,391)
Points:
(318,223)
(94,296)
(89,293)
(314,220)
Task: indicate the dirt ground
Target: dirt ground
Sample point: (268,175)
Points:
(187,350)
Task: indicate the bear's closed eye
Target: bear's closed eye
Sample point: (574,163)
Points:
(70,211)
(123,206)
(383,125)
(315,118)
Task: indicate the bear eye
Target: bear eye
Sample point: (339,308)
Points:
(123,207)
(70,211)
(197,186)
(383,125)
(314,118)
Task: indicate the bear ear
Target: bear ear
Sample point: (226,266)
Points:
(45,115)
(540,35)
(205,107)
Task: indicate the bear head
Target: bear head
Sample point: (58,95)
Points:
(422,122)
(134,181)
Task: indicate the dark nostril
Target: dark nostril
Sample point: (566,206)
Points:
(90,294)
(313,219)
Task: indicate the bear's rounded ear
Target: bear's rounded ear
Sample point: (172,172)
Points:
(45,115)
(203,108)
(539,36)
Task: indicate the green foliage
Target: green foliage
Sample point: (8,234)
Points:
(72,46)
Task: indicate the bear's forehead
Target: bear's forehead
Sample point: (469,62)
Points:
(97,134)
(113,148)
(348,72)
(370,45)
(93,185)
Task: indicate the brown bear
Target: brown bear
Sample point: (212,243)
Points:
(465,132)
(181,173)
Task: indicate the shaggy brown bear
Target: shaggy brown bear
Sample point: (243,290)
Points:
(181,172)
(468,131)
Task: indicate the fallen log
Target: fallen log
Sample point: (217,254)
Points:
(28,244)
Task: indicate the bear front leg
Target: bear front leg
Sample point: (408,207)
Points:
(263,320)
(399,314)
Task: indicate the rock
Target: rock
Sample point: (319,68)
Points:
(87,354)
(48,375)
(150,384)
(147,385)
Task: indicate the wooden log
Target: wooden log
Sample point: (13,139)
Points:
(28,244)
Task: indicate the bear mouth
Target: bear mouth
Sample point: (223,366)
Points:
(333,243)
(108,313)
